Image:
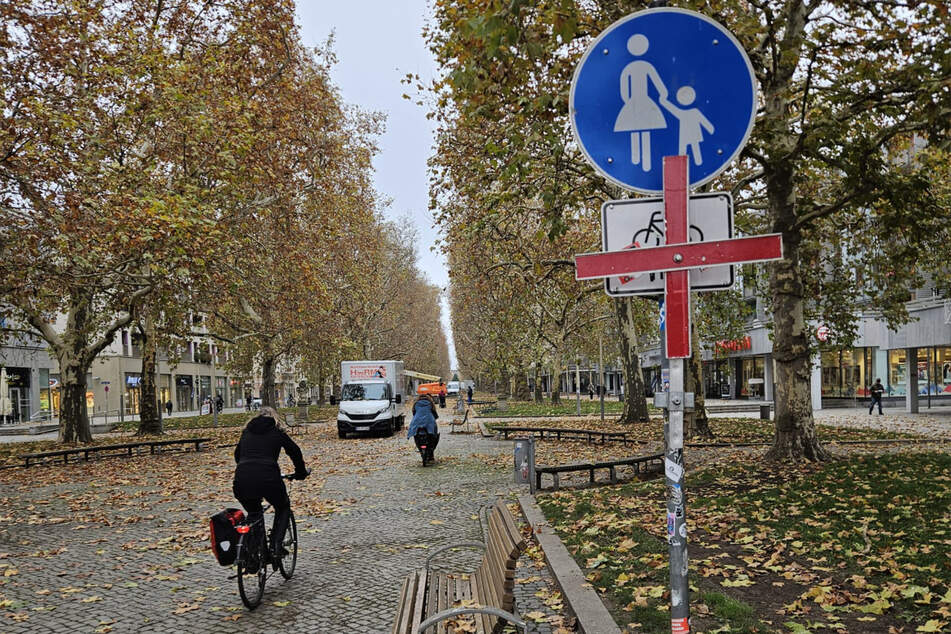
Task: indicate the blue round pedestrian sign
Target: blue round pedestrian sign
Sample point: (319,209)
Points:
(662,82)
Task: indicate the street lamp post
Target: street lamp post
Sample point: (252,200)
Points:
(601,372)
(214,387)
(578,383)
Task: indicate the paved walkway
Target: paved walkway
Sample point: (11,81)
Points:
(121,545)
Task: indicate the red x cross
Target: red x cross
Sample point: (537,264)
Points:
(677,257)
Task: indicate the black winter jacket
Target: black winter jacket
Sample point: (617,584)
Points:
(261,443)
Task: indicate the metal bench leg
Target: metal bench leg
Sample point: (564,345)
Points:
(591,475)
(554,478)
(613,474)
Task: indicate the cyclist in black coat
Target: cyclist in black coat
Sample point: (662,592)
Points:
(259,476)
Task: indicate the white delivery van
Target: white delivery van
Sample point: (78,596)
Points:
(452,388)
(371,394)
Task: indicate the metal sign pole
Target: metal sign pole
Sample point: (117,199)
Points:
(676,506)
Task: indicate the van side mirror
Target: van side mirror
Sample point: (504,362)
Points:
(399,398)
(333,399)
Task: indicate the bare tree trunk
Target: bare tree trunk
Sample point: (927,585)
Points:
(635,404)
(795,438)
(73,414)
(521,385)
(149,420)
(506,380)
(74,361)
(267,382)
(538,384)
(321,388)
(696,423)
(556,378)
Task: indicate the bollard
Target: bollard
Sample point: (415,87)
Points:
(525,462)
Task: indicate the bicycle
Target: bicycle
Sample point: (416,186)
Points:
(253,555)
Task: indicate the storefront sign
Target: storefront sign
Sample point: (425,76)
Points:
(746,343)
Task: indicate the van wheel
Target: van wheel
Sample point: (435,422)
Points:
(341,434)
(389,429)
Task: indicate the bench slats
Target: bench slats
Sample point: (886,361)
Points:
(418,600)
(401,625)
(492,584)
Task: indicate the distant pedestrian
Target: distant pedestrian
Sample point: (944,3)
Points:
(590,393)
(168,407)
(219,403)
(877,390)
(469,393)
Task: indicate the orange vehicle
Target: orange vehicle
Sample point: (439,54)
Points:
(436,389)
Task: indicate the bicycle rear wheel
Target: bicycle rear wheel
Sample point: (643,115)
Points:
(289,561)
(252,572)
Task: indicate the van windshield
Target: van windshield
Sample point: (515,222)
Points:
(365,392)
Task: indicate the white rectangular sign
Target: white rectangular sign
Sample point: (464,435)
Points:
(639,222)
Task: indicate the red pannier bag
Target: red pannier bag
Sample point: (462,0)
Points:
(224,536)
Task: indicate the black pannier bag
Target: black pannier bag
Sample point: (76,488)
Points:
(224,537)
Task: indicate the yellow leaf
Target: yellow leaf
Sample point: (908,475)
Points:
(934,625)
(537,616)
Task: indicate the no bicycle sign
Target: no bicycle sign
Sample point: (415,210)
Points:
(662,82)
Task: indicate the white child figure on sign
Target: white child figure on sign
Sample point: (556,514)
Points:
(691,122)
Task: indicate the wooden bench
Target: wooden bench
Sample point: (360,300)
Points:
(560,433)
(429,598)
(128,449)
(637,463)
(455,422)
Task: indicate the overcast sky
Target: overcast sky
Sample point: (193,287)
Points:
(377,43)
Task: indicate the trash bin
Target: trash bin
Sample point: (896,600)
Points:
(525,462)
(764,412)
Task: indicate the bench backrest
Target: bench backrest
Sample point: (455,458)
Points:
(496,573)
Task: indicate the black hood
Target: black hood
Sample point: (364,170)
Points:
(261,425)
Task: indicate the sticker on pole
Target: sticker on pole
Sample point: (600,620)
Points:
(662,82)
(679,626)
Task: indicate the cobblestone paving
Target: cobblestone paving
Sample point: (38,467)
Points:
(78,556)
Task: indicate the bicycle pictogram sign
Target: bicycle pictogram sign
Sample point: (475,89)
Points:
(639,223)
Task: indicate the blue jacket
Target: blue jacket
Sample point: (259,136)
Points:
(424,419)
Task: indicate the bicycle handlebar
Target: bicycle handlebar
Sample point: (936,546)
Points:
(290,476)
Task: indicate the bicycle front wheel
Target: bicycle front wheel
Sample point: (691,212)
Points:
(252,573)
(289,561)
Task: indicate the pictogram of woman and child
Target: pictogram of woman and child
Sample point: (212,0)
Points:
(640,114)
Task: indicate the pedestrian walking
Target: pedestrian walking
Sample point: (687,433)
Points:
(168,407)
(219,403)
(876,391)
(469,393)
(590,393)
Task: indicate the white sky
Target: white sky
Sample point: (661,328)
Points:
(377,43)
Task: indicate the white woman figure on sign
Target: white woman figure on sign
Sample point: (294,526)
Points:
(640,114)
(691,122)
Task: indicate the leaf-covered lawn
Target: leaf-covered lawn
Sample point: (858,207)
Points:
(236,419)
(728,430)
(856,545)
(566,408)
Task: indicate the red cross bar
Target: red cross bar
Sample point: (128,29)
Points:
(677,256)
